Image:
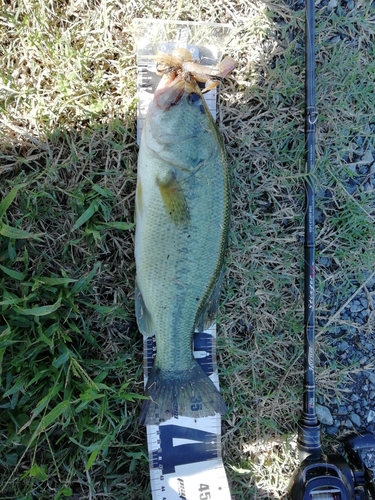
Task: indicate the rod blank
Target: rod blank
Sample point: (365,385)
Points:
(308,425)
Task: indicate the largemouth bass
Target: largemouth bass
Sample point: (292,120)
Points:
(182,217)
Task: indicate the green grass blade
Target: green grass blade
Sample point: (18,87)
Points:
(62,359)
(54,414)
(39,311)
(51,417)
(56,281)
(92,459)
(7,201)
(82,283)
(18,386)
(17,234)
(87,214)
(37,472)
(16,275)
(121,226)
(46,400)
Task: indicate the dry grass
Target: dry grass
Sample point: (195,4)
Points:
(68,112)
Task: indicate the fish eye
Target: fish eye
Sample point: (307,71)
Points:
(193,97)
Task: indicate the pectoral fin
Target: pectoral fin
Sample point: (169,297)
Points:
(143,315)
(174,199)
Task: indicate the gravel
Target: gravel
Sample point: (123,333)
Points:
(324,415)
(353,344)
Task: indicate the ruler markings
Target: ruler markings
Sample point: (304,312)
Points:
(185,453)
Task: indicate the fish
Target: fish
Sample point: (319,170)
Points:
(182,218)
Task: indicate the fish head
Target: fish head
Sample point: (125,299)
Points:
(179,127)
(177,110)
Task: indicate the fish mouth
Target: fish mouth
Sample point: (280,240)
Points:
(171,88)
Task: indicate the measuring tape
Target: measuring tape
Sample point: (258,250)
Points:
(185,453)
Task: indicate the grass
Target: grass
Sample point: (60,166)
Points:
(71,356)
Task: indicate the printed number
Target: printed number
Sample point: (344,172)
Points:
(195,407)
(204,493)
(196,403)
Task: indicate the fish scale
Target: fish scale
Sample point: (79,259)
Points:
(182,215)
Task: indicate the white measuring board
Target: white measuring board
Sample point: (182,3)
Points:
(185,453)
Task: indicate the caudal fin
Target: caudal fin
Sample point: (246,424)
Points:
(189,393)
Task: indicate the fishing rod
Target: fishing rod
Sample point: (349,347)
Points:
(308,425)
(319,476)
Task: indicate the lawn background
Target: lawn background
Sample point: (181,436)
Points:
(70,352)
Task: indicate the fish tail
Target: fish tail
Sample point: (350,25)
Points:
(189,393)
